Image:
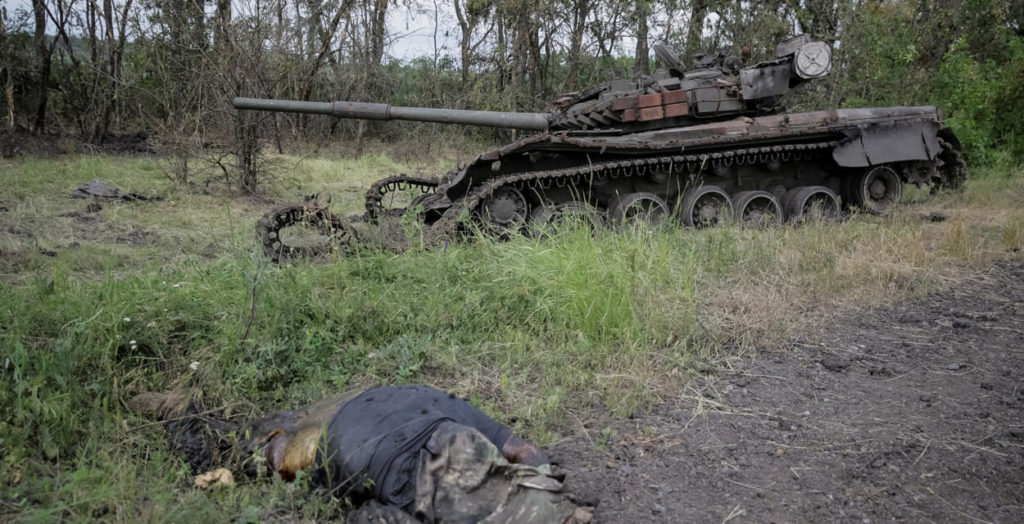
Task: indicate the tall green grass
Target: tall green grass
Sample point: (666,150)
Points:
(535,331)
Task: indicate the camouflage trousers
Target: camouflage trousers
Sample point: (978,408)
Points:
(463,478)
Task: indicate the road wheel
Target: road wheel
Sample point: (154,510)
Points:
(817,203)
(632,209)
(876,189)
(756,208)
(705,206)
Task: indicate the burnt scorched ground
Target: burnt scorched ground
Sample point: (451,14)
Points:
(913,413)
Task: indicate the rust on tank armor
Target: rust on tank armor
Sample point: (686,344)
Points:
(654,142)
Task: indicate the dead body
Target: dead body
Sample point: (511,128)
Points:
(400,446)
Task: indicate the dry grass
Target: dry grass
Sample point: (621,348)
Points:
(786,281)
(532,330)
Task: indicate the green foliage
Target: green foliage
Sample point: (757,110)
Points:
(968,90)
(1009,102)
(965,56)
(876,61)
(72,346)
(968,61)
(530,328)
(983,99)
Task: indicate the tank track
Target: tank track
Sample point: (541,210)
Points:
(311,212)
(376,193)
(445,227)
(952,170)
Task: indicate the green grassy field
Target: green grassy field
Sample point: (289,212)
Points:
(96,307)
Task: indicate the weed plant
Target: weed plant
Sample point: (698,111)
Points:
(538,332)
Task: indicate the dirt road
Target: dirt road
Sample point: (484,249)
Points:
(913,413)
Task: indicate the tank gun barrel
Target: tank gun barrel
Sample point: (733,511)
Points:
(372,111)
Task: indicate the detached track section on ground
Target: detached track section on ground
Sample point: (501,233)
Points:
(912,413)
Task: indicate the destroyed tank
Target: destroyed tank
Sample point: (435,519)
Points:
(699,146)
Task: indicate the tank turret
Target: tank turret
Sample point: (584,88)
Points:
(717,87)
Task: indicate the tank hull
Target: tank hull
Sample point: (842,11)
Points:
(772,153)
(777,167)
(695,145)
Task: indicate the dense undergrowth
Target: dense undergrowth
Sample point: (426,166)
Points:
(540,333)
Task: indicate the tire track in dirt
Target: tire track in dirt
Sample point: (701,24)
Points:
(911,413)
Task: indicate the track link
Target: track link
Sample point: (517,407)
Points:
(952,168)
(312,213)
(444,228)
(376,193)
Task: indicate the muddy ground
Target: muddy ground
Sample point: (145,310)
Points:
(913,413)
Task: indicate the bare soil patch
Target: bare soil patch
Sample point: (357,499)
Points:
(910,413)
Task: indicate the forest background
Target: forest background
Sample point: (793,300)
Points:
(564,339)
(167,70)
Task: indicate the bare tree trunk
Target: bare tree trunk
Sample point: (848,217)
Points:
(671,14)
(100,126)
(6,76)
(90,16)
(467,23)
(521,54)
(470,15)
(698,12)
(327,40)
(534,65)
(306,86)
(380,11)
(643,61)
(374,55)
(580,12)
(605,29)
(246,145)
(222,22)
(43,56)
(111,85)
(247,152)
(501,50)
